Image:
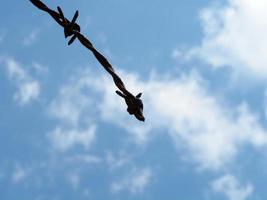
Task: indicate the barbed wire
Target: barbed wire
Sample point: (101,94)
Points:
(72,29)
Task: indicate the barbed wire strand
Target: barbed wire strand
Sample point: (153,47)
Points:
(71,28)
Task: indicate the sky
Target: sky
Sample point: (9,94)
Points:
(201,66)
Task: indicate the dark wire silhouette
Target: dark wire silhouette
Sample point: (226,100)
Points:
(72,29)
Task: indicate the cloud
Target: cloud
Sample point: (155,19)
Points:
(31,37)
(235,36)
(65,139)
(39,68)
(28,89)
(19,174)
(135,182)
(229,186)
(117,161)
(202,125)
(73,102)
(74,180)
(72,108)
(27,92)
(85,158)
(204,128)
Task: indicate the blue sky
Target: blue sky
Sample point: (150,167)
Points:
(201,66)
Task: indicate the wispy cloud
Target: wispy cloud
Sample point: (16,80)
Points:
(74,180)
(135,182)
(85,158)
(229,186)
(70,108)
(199,123)
(39,68)
(178,54)
(115,161)
(64,139)
(202,126)
(72,102)
(19,174)
(28,88)
(31,37)
(235,36)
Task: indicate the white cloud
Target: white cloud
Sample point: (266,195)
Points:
(117,161)
(204,128)
(231,188)
(65,139)
(179,54)
(72,102)
(201,124)
(135,182)
(31,37)
(19,174)
(74,180)
(72,108)
(84,158)
(28,89)
(235,36)
(39,68)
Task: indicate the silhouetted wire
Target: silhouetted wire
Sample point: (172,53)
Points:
(71,28)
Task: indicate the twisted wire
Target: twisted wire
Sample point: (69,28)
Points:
(72,29)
